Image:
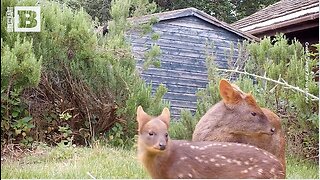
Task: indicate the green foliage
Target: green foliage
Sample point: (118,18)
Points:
(183,129)
(65,131)
(152,57)
(65,116)
(155,36)
(228,11)
(89,84)
(19,66)
(16,122)
(116,136)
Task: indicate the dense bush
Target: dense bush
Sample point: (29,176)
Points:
(89,87)
(20,69)
(282,61)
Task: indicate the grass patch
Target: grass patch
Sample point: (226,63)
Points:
(106,163)
(67,163)
(301,169)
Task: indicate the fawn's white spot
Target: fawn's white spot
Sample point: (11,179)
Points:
(183,144)
(206,162)
(190,175)
(272,170)
(197,158)
(244,171)
(251,146)
(264,161)
(203,156)
(183,158)
(194,171)
(251,159)
(236,161)
(229,160)
(216,164)
(224,145)
(222,157)
(255,165)
(246,163)
(230,144)
(250,168)
(272,157)
(257,149)
(180,175)
(238,144)
(212,160)
(244,145)
(260,171)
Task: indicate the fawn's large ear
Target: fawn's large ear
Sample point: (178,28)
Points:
(165,116)
(228,93)
(142,117)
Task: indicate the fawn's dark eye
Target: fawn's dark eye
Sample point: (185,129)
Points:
(166,135)
(253,113)
(151,133)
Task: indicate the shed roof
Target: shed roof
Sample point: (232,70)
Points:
(193,12)
(282,13)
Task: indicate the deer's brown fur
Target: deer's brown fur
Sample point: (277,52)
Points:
(166,158)
(232,120)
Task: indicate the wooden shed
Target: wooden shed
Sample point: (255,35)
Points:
(184,35)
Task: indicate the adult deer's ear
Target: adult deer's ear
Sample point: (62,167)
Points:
(142,118)
(251,100)
(228,93)
(165,116)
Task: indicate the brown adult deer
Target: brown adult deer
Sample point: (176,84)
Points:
(238,118)
(166,158)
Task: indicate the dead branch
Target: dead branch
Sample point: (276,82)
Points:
(284,83)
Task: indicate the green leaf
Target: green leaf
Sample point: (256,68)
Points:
(26,119)
(15,114)
(111,137)
(18,131)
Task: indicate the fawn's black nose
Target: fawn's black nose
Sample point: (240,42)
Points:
(162,146)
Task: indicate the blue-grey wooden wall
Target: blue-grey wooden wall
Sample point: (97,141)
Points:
(183,66)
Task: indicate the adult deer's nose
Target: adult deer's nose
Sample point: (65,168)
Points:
(273,130)
(162,146)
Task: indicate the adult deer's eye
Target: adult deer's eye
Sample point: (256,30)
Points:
(151,133)
(253,113)
(166,135)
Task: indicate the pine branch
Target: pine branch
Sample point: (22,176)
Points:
(284,83)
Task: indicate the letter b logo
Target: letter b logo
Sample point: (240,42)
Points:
(27,19)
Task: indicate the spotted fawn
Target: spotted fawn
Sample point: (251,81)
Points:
(166,158)
(238,118)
